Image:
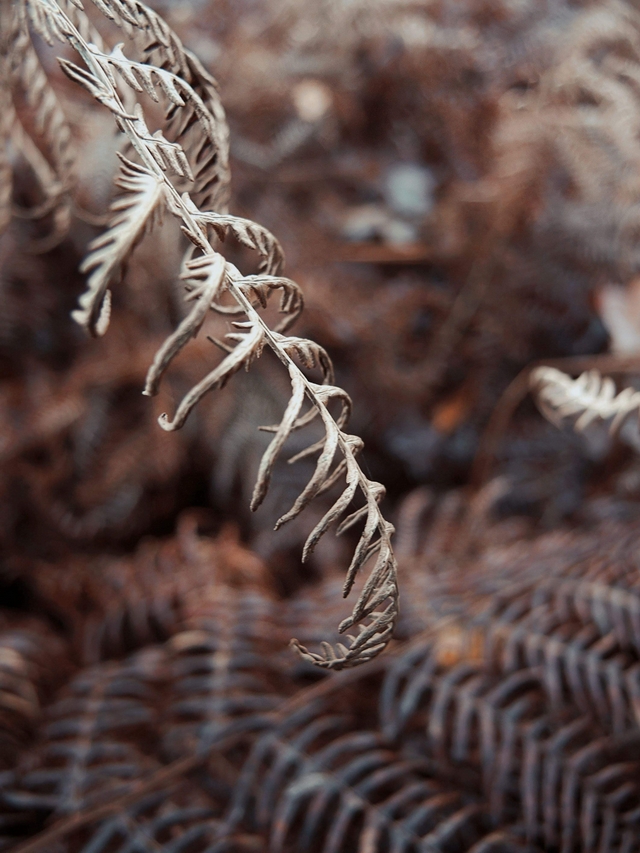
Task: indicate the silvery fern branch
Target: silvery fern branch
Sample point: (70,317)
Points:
(591,397)
(176,170)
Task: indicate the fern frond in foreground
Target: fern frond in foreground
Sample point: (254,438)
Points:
(178,169)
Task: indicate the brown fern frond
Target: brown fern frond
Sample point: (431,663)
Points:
(169,821)
(572,783)
(32,661)
(98,739)
(315,783)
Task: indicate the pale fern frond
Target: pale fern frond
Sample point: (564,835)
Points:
(195,120)
(590,397)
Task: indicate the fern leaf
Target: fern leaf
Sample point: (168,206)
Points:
(248,343)
(142,77)
(173,821)
(316,784)
(206,277)
(554,770)
(51,27)
(134,214)
(94,739)
(590,397)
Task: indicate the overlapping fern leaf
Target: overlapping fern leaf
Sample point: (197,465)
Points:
(180,168)
(181,819)
(543,719)
(227,677)
(317,783)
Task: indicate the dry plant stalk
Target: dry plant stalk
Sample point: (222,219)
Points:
(183,169)
(590,397)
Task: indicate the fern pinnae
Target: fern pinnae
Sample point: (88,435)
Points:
(258,289)
(161,47)
(283,432)
(249,342)
(250,234)
(134,214)
(207,278)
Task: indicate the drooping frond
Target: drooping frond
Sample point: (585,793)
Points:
(586,399)
(150,186)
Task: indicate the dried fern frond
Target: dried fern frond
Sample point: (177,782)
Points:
(182,821)
(209,276)
(317,784)
(571,783)
(98,739)
(222,684)
(31,659)
(586,399)
(25,82)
